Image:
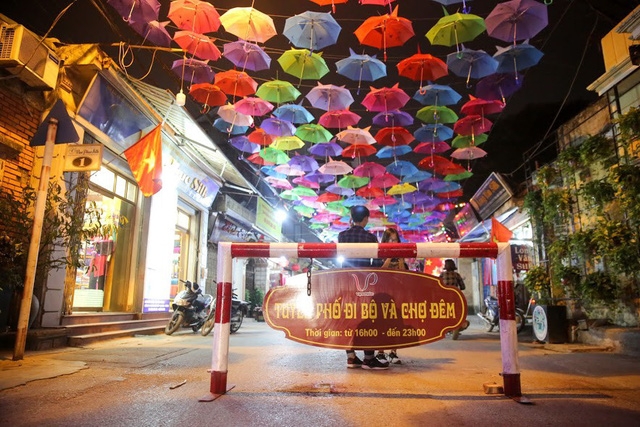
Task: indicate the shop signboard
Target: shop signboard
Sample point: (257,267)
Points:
(365,309)
(521,256)
(493,193)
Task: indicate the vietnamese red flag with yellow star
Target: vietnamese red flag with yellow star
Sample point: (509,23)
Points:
(433,266)
(145,161)
(499,233)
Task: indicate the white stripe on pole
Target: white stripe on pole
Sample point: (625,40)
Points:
(287,250)
(439,250)
(362,250)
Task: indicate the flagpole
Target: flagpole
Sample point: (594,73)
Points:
(34,244)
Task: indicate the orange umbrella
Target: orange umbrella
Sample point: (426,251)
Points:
(333,3)
(208,94)
(260,137)
(388,30)
(422,66)
(198,45)
(359,150)
(236,83)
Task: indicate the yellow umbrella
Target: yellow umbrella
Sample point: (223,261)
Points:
(287,143)
(399,189)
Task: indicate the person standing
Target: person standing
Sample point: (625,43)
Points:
(451,277)
(391,235)
(357,234)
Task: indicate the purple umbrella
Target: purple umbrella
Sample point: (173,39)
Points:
(306,163)
(137,10)
(336,189)
(278,127)
(393,118)
(153,31)
(326,149)
(329,97)
(472,64)
(243,144)
(499,86)
(319,177)
(193,70)
(516,20)
(247,55)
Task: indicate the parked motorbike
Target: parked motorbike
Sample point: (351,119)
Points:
(491,315)
(190,308)
(239,309)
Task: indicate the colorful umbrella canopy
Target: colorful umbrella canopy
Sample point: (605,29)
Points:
(333,3)
(281,183)
(235,83)
(370,192)
(468,153)
(246,55)
(193,70)
(306,163)
(516,20)
(312,30)
(402,188)
(421,67)
(455,29)
(326,149)
(278,127)
(155,32)
(304,64)
(300,180)
(385,99)
(226,127)
(243,144)
(278,91)
(472,125)
(248,23)
(338,119)
(433,94)
(198,45)
(369,169)
(293,113)
(436,114)
(253,106)
(388,30)
(361,68)
(260,137)
(321,178)
(402,168)
(256,159)
(229,114)
(386,180)
(136,10)
(274,155)
(353,181)
(194,15)
(335,167)
(432,147)
(329,97)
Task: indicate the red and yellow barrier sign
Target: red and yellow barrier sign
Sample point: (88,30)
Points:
(365,309)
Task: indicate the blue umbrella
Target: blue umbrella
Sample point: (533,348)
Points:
(224,126)
(354,201)
(361,68)
(312,30)
(271,171)
(393,118)
(293,113)
(402,168)
(433,94)
(417,177)
(471,63)
(389,152)
(465,9)
(433,132)
(516,57)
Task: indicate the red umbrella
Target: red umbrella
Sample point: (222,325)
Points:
(472,125)
(328,197)
(435,163)
(333,3)
(359,150)
(339,119)
(259,136)
(386,180)
(236,83)
(208,94)
(370,192)
(432,147)
(388,30)
(255,158)
(384,200)
(482,107)
(194,15)
(198,45)
(385,99)
(393,136)
(422,66)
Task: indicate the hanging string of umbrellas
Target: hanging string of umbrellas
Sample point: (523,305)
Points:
(323,165)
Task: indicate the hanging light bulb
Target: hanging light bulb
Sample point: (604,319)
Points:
(181,99)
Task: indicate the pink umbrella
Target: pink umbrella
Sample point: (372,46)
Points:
(300,180)
(335,167)
(329,97)
(386,180)
(384,200)
(385,99)
(253,106)
(356,136)
(432,147)
(198,45)
(468,153)
(194,15)
(472,125)
(369,169)
(339,119)
(279,183)
(289,170)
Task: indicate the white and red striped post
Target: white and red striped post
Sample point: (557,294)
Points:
(227,251)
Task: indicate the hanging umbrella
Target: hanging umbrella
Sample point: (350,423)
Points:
(472,64)
(472,125)
(335,167)
(311,30)
(462,141)
(393,118)
(435,164)
(326,149)
(246,55)
(353,181)
(271,171)
(370,192)
(208,94)
(416,177)
(229,114)
(289,195)
(333,3)
(400,189)
(481,106)
(436,114)
(459,176)
(253,106)
(243,144)
(279,183)
(339,119)
(329,97)
(198,45)
(516,57)
(256,159)
(468,153)
(301,180)
(499,86)
(226,127)
(390,151)
(432,147)
(278,91)
(193,70)
(306,163)
(321,178)
(304,192)
(433,132)
(402,168)
(386,180)
(394,136)
(369,169)
(422,66)
(305,211)
(465,9)
(194,15)
(385,99)
(235,83)
(359,150)
(260,137)
(336,189)
(274,155)
(353,135)
(455,29)
(516,20)
(312,132)
(293,113)
(304,64)
(384,200)
(388,30)
(278,127)
(287,143)
(361,68)
(136,10)
(354,201)
(154,31)
(247,23)
(433,94)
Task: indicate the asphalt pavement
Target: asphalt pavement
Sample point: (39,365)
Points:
(158,380)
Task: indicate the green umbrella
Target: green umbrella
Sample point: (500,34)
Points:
(464,141)
(313,132)
(278,91)
(455,29)
(274,155)
(318,225)
(338,208)
(436,114)
(304,191)
(458,176)
(305,211)
(353,181)
(303,64)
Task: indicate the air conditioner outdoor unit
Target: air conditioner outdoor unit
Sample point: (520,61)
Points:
(22,53)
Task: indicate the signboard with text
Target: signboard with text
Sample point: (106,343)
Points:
(365,309)
(493,193)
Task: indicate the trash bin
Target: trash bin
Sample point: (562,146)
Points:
(550,323)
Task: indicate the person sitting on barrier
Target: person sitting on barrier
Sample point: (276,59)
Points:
(451,277)
(391,235)
(357,234)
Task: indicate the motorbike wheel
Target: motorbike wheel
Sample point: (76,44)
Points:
(520,321)
(236,322)
(209,323)
(175,323)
